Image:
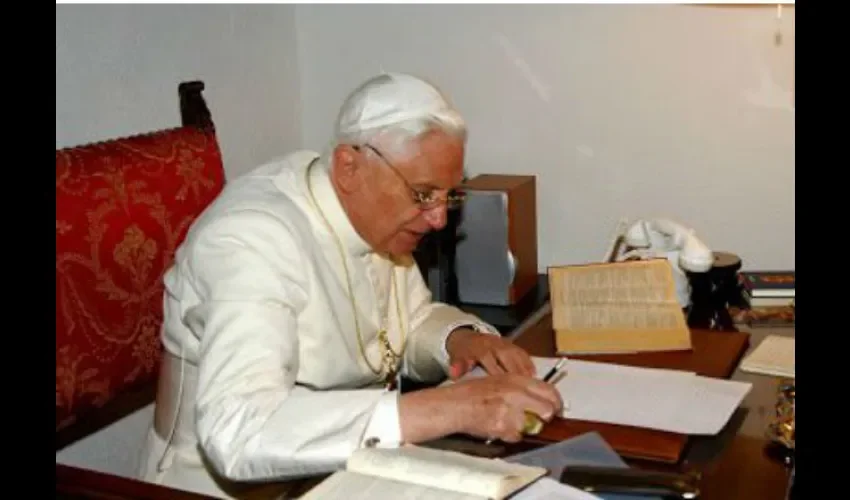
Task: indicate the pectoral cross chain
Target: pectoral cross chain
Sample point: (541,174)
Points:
(389,358)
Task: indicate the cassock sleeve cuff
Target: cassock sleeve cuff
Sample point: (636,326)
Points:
(384,429)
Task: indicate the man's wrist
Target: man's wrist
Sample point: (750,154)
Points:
(467,324)
(428,414)
(449,332)
(458,334)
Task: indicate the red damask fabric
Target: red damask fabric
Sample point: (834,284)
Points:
(122,208)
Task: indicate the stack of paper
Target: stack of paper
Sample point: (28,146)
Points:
(666,400)
(773,356)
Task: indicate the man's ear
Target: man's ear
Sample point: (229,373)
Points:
(345,166)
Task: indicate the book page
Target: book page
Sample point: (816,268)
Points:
(617,307)
(444,469)
(347,485)
(661,399)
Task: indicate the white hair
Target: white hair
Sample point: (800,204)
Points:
(395,109)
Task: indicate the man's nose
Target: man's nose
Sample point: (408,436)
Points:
(436,217)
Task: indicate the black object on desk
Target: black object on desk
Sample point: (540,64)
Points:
(713,292)
(601,480)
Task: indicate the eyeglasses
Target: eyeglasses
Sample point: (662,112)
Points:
(425,199)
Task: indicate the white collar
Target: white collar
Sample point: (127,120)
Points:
(330,206)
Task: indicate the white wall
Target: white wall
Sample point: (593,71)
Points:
(118,67)
(627,110)
(638,110)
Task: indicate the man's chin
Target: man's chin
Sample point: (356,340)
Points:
(406,243)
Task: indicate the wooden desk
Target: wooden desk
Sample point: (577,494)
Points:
(714,354)
(734,464)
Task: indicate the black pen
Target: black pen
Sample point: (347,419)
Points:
(555,369)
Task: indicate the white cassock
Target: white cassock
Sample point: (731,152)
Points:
(263,377)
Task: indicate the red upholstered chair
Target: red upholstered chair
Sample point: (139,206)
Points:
(122,208)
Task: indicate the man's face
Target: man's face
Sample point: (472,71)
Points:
(380,191)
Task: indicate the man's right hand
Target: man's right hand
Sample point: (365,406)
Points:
(491,407)
(494,407)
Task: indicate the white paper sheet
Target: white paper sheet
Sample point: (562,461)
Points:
(667,400)
(549,489)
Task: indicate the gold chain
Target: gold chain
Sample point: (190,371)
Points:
(389,356)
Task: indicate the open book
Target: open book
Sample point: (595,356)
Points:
(617,307)
(424,474)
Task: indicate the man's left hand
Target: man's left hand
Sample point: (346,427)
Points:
(468,348)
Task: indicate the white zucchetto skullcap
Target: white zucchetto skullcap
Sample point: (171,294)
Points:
(393,98)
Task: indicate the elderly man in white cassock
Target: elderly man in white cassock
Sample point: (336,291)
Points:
(294,303)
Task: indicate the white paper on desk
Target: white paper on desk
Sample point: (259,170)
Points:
(549,489)
(667,400)
(653,398)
